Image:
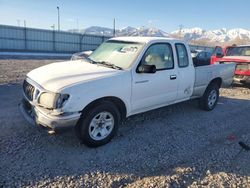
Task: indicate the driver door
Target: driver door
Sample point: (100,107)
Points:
(150,90)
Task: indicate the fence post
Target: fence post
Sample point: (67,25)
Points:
(80,42)
(82,35)
(54,40)
(25,39)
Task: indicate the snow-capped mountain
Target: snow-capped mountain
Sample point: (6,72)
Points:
(189,34)
(220,35)
(127,31)
(96,30)
(184,31)
(144,31)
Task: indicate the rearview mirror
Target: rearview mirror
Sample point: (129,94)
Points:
(219,55)
(146,69)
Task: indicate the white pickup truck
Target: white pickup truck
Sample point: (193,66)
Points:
(122,77)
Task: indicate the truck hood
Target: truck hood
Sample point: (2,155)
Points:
(56,76)
(236,59)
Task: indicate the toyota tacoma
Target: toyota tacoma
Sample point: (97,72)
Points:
(122,77)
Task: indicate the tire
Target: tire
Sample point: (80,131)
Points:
(210,98)
(98,125)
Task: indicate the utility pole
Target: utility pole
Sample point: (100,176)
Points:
(18,23)
(77,25)
(114,27)
(58,17)
(179,35)
(25,34)
(53,36)
(181,27)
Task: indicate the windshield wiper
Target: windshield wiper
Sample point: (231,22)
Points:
(109,65)
(89,60)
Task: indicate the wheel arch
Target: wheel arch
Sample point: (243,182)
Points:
(119,103)
(217,81)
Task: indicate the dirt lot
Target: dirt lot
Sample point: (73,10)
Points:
(175,146)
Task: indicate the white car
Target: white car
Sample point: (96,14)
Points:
(123,77)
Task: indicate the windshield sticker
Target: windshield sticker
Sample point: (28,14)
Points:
(128,49)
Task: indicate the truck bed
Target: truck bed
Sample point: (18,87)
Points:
(205,74)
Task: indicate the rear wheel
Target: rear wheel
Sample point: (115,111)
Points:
(99,125)
(210,98)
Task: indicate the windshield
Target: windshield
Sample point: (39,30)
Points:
(119,53)
(238,51)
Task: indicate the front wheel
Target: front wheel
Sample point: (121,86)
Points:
(99,125)
(210,98)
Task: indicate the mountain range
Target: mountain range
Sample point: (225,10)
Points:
(192,35)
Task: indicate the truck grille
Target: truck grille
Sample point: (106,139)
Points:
(28,90)
(242,67)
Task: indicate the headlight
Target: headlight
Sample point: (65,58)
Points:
(52,100)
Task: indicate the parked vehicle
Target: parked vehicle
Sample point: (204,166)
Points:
(122,77)
(194,53)
(202,58)
(238,54)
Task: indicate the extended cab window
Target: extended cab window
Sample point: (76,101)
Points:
(160,55)
(182,55)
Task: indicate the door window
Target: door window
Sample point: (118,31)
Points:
(182,55)
(160,55)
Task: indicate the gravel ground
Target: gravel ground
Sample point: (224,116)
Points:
(175,146)
(14,71)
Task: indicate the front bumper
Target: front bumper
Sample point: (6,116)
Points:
(242,79)
(36,116)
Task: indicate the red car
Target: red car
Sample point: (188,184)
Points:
(238,54)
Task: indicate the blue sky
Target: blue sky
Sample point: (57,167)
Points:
(164,14)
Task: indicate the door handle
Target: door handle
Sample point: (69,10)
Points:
(141,82)
(173,77)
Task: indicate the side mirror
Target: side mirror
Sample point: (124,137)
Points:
(81,55)
(146,69)
(219,55)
